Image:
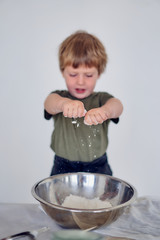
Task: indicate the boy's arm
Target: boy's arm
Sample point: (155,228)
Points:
(112,109)
(55,104)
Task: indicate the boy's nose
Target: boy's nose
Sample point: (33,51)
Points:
(80,80)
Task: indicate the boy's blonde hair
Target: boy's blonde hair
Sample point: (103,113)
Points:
(82,48)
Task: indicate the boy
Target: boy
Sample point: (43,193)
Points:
(81,116)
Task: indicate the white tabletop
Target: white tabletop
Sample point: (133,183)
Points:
(141,221)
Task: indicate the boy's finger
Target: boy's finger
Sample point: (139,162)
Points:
(87,120)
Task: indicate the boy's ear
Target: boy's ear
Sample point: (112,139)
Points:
(62,72)
(98,76)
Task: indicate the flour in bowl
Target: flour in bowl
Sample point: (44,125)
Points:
(73,201)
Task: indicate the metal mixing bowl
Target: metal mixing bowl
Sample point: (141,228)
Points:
(52,191)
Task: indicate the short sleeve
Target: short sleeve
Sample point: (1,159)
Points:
(115,120)
(47,115)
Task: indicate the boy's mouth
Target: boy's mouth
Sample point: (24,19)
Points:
(80,90)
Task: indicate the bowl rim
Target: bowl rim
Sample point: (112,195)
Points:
(42,201)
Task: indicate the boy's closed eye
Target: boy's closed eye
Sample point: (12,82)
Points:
(72,74)
(75,75)
(89,75)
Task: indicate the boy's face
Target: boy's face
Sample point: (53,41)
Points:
(80,81)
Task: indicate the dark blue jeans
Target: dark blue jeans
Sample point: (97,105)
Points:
(99,165)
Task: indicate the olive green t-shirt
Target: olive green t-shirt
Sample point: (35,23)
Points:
(72,139)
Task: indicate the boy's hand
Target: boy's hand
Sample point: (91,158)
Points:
(95,116)
(73,108)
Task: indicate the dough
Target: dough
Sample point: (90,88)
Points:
(73,201)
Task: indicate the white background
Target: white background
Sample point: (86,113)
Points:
(31,31)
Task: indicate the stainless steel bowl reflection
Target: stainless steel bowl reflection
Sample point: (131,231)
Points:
(52,191)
